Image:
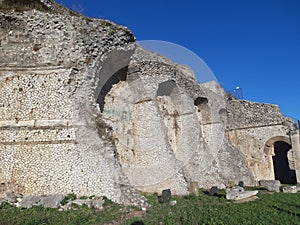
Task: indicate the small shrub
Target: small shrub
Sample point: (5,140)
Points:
(107,24)
(83,197)
(112,31)
(70,196)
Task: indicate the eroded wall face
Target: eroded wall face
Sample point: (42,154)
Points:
(152,129)
(163,139)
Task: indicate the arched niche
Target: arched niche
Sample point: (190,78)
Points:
(111,70)
(280,148)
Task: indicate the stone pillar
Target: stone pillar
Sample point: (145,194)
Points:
(295,139)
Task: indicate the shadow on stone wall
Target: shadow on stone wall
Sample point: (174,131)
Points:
(282,170)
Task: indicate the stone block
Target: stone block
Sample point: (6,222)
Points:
(194,188)
(51,201)
(98,203)
(241,184)
(238,193)
(213,190)
(166,196)
(11,197)
(29,201)
(270,185)
(290,189)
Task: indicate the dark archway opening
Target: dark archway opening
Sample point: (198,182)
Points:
(120,75)
(282,170)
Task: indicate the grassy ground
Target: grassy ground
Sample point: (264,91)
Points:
(277,208)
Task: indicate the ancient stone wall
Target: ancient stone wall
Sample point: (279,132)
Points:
(50,68)
(165,138)
(84,109)
(254,128)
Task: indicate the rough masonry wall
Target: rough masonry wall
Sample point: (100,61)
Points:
(51,64)
(36,132)
(250,127)
(159,129)
(244,114)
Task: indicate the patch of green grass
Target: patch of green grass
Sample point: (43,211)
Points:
(276,208)
(70,196)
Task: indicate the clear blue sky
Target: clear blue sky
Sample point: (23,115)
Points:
(252,44)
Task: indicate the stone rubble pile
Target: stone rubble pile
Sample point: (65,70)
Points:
(49,201)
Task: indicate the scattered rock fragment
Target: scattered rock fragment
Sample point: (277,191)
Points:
(238,193)
(194,188)
(271,185)
(51,201)
(29,201)
(290,189)
(213,191)
(166,196)
(11,197)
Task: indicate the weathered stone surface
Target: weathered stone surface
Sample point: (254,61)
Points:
(249,199)
(11,197)
(238,193)
(2,201)
(213,191)
(271,185)
(290,189)
(29,201)
(51,201)
(60,72)
(97,203)
(194,188)
(166,196)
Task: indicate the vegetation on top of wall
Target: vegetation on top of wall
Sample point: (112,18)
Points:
(22,5)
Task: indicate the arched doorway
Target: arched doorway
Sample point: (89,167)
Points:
(282,169)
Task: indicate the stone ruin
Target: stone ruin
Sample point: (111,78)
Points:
(85,110)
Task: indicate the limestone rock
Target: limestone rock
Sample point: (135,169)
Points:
(290,189)
(29,201)
(194,188)
(97,203)
(271,185)
(2,201)
(60,72)
(238,193)
(11,197)
(51,201)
